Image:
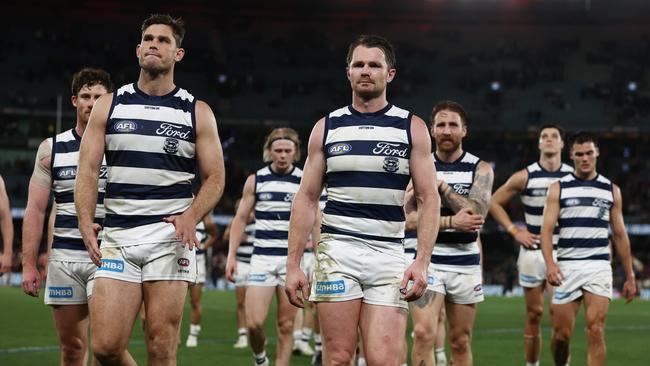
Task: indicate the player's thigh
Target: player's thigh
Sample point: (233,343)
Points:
(426,310)
(286,311)
(564,315)
(71,322)
(338,325)
(113,308)
(534,297)
(163,301)
(460,318)
(596,308)
(258,300)
(196,291)
(382,330)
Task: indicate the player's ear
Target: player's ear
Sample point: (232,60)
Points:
(137,50)
(391,74)
(73,99)
(180,53)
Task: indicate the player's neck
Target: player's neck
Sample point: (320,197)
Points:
(80,127)
(281,171)
(369,105)
(449,156)
(156,84)
(550,163)
(586,175)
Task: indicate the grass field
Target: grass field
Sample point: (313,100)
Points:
(27,335)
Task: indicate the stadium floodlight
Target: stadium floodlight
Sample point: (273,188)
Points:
(632,86)
(495,86)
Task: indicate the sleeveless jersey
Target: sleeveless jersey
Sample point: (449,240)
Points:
(367,157)
(410,241)
(245,249)
(274,194)
(150,153)
(67,243)
(534,196)
(584,221)
(457,251)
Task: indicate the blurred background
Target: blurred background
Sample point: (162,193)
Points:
(513,64)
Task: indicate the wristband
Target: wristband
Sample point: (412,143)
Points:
(512,230)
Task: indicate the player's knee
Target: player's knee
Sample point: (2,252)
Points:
(596,332)
(285,326)
(107,353)
(561,334)
(341,357)
(461,344)
(534,314)
(424,334)
(159,348)
(73,350)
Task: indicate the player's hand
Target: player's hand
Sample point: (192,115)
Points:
(5,263)
(296,282)
(89,234)
(526,238)
(231,268)
(416,272)
(465,220)
(629,289)
(31,281)
(185,229)
(554,275)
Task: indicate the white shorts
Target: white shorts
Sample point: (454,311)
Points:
(307,264)
(346,271)
(267,270)
(597,282)
(69,283)
(169,261)
(241,275)
(531,267)
(458,288)
(200,268)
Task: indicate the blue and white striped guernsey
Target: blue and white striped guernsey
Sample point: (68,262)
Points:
(457,251)
(67,243)
(274,194)
(584,221)
(367,157)
(410,242)
(245,249)
(534,196)
(150,154)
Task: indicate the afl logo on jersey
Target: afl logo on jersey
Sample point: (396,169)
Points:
(572,202)
(265,196)
(125,126)
(67,173)
(391,164)
(340,148)
(170,146)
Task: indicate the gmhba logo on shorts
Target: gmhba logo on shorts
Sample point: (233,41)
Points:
(113,265)
(340,148)
(60,292)
(330,287)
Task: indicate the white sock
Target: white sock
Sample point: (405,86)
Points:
(241,332)
(260,357)
(440,354)
(297,335)
(318,343)
(532,363)
(306,335)
(195,329)
(361,362)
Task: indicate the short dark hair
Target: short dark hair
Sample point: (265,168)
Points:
(552,125)
(176,24)
(582,137)
(451,106)
(89,77)
(372,40)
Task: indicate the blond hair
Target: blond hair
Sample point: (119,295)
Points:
(282,133)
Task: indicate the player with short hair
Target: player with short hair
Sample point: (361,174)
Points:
(70,269)
(269,192)
(583,205)
(532,184)
(365,154)
(155,135)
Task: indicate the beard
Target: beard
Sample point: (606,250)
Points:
(368,94)
(447,145)
(154,69)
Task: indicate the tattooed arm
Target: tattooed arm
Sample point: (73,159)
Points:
(478,200)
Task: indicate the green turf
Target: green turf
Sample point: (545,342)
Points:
(26,324)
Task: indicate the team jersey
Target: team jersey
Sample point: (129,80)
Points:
(151,158)
(274,194)
(457,251)
(67,243)
(410,241)
(367,157)
(203,236)
(245,249)
(534,196)
(585,207)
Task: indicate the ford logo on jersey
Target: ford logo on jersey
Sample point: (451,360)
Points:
(113,265)
(330,287)
(66,173)
(340,148)
(60,292)
(125,126)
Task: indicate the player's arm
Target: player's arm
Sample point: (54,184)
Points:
(7,229)
(551,214)
(238,225)
(91,154)
(314,237)
(478,200)
(463,220)
(423,175)
(515,185)
(303,213)
(211,229)
(209,156)
(37,199)
(622,243)
(50,228)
